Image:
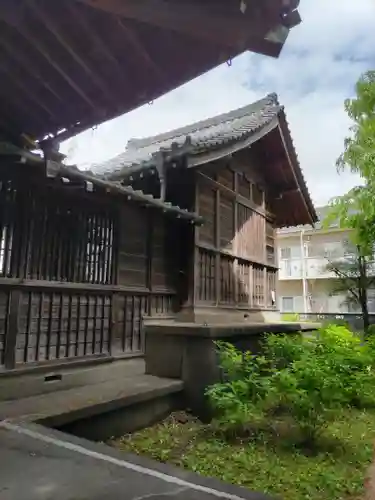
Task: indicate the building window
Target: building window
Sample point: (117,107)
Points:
(287,304)
(285,253)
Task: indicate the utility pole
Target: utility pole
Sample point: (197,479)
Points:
(303,269)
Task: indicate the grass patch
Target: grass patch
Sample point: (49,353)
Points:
(268,461)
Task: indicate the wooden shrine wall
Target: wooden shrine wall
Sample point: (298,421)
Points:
(77,272)
(235,261)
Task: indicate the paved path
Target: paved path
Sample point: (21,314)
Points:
(37,463)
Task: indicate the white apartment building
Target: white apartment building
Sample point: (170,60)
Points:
(304,284)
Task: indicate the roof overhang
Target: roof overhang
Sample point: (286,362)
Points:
(292,199)
(69,65)
(89,183)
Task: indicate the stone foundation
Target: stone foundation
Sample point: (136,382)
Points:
(187,351)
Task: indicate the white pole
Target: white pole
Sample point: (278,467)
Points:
(303,269)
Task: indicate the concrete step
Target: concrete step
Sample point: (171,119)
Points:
(32,384)
(67,406)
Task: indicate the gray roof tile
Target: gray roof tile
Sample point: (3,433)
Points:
(204,135)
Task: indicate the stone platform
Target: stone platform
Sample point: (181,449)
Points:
(186,351)
(117,396)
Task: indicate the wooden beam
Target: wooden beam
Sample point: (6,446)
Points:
(26,91)
(53,28)
(19,24)
(229,29)
(28,66)
(16,102)
(91,33)
(140,50)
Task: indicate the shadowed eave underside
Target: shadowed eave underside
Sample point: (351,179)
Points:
(67,66)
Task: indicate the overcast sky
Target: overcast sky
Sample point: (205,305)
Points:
(318,68)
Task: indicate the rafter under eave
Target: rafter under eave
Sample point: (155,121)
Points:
(97,40)
(52,27)
(236,31)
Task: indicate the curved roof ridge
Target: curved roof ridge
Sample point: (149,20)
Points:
(270,99)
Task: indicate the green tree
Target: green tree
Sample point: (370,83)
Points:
(356,209)
(353,277)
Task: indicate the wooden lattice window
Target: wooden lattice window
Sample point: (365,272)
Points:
(243,273)
(271,289)
(7,213)
(47,233)
(206,276)
(258,287)
(227,230)
(99,250)
(227,280)
(270,243)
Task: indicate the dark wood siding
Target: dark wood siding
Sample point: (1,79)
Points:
(78,272)
(235,260)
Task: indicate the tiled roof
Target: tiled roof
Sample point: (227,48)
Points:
(201,136)
(58,170)
(321,213)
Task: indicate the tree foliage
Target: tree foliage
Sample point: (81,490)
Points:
(353,277)
(356,209)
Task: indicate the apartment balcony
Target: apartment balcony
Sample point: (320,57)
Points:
(311,267)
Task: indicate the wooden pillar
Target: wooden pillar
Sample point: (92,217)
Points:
(193,251)
(114,332)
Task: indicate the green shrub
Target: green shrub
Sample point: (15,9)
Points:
(308,378)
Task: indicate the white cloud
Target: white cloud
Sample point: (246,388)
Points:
(317,70)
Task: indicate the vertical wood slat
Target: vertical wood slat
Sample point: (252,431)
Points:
(39,325)
(8,226)
(105,256)
(28,328)
(49,327)
(94,325)
(139,329)
(78,325)
(86,328)
(217,244)
(251,286)
(69,326)
(149,249)
(102,326)
(60,323)
(12,329)
(111,326)
(132,333)
(114,322)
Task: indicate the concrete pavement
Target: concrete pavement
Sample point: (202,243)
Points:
(37,463)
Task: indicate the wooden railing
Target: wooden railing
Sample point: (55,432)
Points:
(239,282)
(52,321)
